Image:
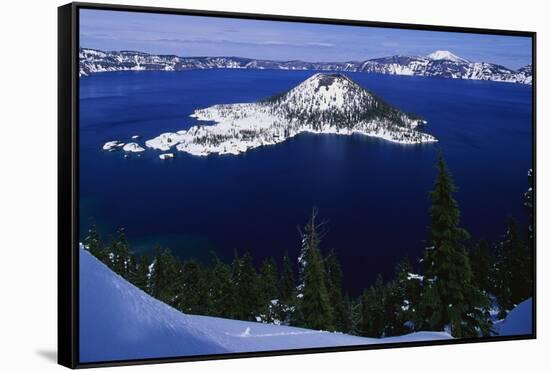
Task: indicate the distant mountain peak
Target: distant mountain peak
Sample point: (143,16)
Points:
(446,55)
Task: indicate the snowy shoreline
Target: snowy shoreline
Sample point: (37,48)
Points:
(185,140)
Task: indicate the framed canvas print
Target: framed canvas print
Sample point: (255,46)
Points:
(236,185)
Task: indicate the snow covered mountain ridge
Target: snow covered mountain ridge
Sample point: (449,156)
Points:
(322,104)
(437,64)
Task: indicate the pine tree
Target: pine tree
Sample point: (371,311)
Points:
(287,284)
(393,303)
(222,292)
(139,274)
(356,310)
(268,279)
(403,299)
(165,276)
(373,316)
(450,296)
(245,279)
(444,212)
(513,269)
(334,282)
(314,309)
(93,242)
(193,291)
(482,261)
(268,291)
(528,202)
(120,254)
(287,290)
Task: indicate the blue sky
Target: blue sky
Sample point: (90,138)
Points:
(209,36)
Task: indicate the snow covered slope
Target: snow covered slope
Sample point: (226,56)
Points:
(119,321)
(440,63)
(518,321)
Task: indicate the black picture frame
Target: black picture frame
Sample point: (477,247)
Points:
(68,186)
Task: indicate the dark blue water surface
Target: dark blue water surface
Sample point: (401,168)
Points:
(374,194)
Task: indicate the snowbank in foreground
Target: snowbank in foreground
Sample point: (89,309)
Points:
(118,321)
(519,321)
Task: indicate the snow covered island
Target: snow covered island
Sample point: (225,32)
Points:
(114,145)
(323,104)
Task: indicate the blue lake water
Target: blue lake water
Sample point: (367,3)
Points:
(372,193)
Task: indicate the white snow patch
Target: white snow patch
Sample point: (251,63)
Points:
(414,276)
(166,156)
(133,147)
(112,145)
(446,55)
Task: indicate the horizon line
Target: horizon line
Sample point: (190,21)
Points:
(295,60)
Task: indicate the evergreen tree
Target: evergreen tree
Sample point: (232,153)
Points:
(450,296)
(222,293)
(287,284)
(528,202)
(314,309)
(268,279)
(93,242)
(341,309)
(513,269)
(139,274)
(193,291)
(482,262)
(245,278)
(403,296)
(165,276)
(287,290)
(373,314)
(269,293)
(356,311)
(393,308)
(120,254)
(444,213)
